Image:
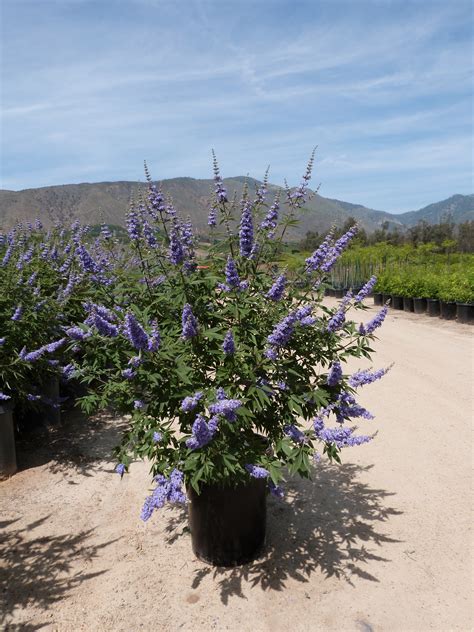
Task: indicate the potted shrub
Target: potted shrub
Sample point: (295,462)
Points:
(465,299)
(231,375)
(447,297)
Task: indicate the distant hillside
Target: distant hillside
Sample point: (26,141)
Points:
(108,202)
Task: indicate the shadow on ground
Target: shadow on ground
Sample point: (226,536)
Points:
(328,525)
(37,571)
(80,443)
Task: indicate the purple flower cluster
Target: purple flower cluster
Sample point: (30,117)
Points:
(189,403)
(347,408)
(282,332)
(212,217)
(276,490)
(275,293)
(4,397)
(295,433)
(343,437)
(225,407)
(363,377)
(319,256)
(335,374)
(167,490)
(339,317)
(373,324)
(135,333)
(256,471)
(221,193)
(270,220)
(228,345)
(176,249)
(18,313)
(189,323)
(366,290)
(246,230)
(202,432)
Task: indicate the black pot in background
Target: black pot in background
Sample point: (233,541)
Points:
(448,310)
(397,302)
(465,313)
(432,307)
(339,293)
(7,441)
(407,304)
(228,524)
(378,298)
(419,305)
(329,291)
(386,297)
(51,412)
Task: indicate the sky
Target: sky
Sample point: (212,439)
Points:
(383,88)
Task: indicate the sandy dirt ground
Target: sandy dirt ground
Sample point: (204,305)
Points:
(381,543)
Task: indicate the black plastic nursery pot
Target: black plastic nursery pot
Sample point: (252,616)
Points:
(465,313)
(330,291)
(51,416)
(448,310)
(407,304)
(397,302)
(339,293)
(432,307)
(419,305)
(228,524)
(7,441)
(378,298)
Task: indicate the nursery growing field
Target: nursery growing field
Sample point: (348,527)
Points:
(379,543)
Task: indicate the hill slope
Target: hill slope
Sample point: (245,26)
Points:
(94,203)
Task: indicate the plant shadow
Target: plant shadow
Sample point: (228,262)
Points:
(80,444)
(328,525)
(37,570)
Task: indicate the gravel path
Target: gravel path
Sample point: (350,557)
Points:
(381,543)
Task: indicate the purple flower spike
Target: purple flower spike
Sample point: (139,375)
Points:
(366,290)
(135,333)
(176,252)
(120,469)
(229,345)
(335,374)
(276,490)
(189,323)
(246,230)
(18,313)
(256,471)
(275,293)
(373,324)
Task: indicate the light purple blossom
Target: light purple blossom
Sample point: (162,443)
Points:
(176,250)
(138,404)
(295,433)
(276,490)
(157,437)
(120,469)
(128,374)
(104,327)
(201,434)
(228,345)
(226,407)
(373,324)
(315,261)
(335,374)
(76,333)
(275,293)
(366,290)
(167,490)
(256,471)
(18,313)
(270,221)
(4,397)
(189,323)
(135,333)
(246,230)
(189,403)
(363,377)
(338,248)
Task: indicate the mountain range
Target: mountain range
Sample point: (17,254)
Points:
(107,202)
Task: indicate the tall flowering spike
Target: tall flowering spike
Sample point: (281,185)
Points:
(104,327)
(176,251)
(220,190)
(135,333)
(17,314)
(295,433)
(246,230)
(270,220)
(155,339)
(321,253)
(228,345)
(338,248)
(275,293)
(366,290)
(231,275)
(132,221)
(167,490)
(373,324)
(225,407)
(335,374)
(298,197)
(189,403)
(212,217)
(339,318)
(363,377)
(189,323)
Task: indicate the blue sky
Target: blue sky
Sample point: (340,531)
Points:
(383,88)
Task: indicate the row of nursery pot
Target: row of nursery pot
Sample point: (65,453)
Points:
(462,312)
(437,293)
(233,376)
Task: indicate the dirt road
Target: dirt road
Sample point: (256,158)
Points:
(381,543)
